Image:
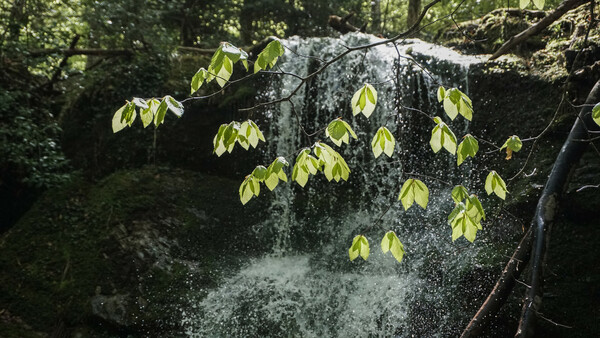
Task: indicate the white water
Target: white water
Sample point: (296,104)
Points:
(305,285)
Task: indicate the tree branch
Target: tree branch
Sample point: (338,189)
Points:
(502,289)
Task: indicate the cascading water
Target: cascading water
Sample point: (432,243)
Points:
(305,285)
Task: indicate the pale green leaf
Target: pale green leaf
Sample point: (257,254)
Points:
(159,115)
(414,190)
(390,242)
(118,122)
(596,113)
(495,184)
(146,116)
(441,93)
(198,80)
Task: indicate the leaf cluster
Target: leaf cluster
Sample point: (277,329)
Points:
(149,111)
(246,134)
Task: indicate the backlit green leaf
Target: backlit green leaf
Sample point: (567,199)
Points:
(390,242)
(364,100)
(495,184)
(414,190)
(596,113)
(512,144)
(268,56)
(338,131)
(117,122)
(198,80)
(159,115)
(459,193)
(442,136)
(468,147)
(360,246)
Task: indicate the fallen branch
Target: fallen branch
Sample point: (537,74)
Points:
(565,162)
(72,51)
(564,7)
(502,289)
(342,25)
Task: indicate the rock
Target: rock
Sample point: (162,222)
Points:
(117,256)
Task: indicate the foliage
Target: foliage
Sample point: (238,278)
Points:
(466,217)
(30,153)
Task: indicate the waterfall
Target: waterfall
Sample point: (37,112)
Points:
(304,285)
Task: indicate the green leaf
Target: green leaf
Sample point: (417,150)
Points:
(512,144)
(275,173)
(390,242)
(596,113)
(334,165)
(455,102)
(159,115)
(459,193)
(146,116)
(468,147)
(383,142)
(118,122)
(198,80)
(175,106)
(364,100)
(260,173)
(539,4)
(218,144)
(442,136)
(441,93)
(451,107)
(360,246)
(268,56)
(462,224)
(414,190)
(495,184)
(523,3)
(301,170)
(248,189)
(474,208)
(338,132)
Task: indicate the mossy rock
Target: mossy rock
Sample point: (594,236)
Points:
(116,256)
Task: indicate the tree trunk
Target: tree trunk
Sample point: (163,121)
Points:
(414,9)
(376,16)
(246,23)
(569,155)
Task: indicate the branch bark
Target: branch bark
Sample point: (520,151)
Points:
(569,155)
(502,289)
(564,7)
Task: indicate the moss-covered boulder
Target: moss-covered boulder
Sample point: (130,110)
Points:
(115,257)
